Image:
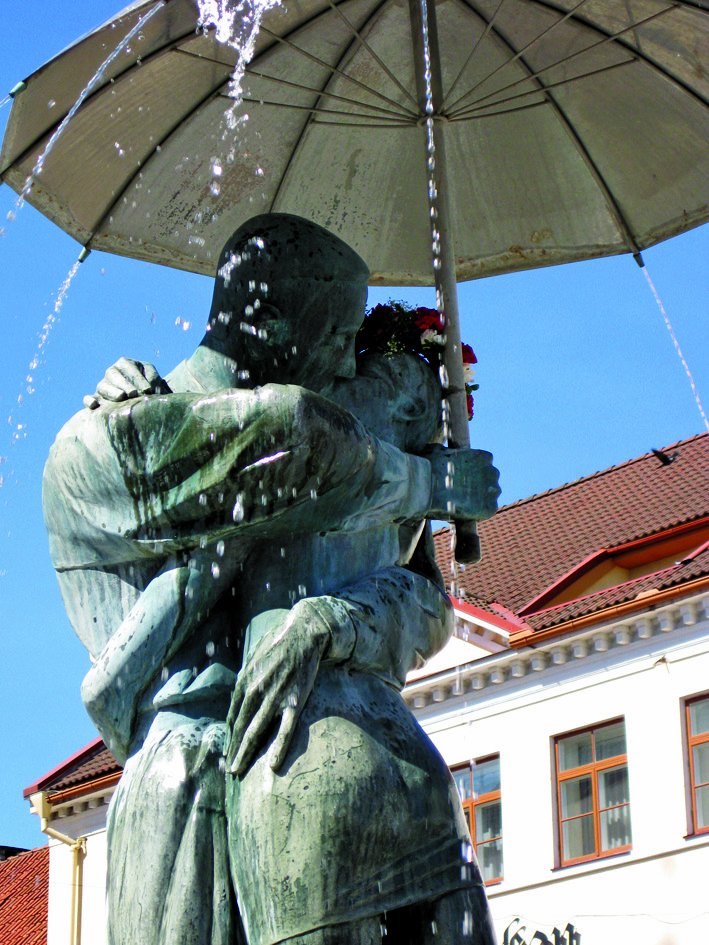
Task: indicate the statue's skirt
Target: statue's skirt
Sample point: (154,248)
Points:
(362,818)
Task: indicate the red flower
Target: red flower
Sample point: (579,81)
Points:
(469,355)
(427,318)
(469,399)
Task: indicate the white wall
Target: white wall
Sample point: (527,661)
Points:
(93,880)
(657,894)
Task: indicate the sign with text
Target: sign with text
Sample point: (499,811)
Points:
(517,934)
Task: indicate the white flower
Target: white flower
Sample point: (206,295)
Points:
(468,373)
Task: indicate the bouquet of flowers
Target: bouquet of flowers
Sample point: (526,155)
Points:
(397,327)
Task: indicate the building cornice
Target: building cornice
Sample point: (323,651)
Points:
(82,791)
(652,598)
(578,644)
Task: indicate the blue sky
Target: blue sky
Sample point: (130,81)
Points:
(577,372)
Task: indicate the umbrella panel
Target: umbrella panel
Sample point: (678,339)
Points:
(569,134)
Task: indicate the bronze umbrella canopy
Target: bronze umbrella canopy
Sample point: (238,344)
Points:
(564,130)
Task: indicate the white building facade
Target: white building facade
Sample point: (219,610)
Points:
(572,707)
(597,737)
(580,740)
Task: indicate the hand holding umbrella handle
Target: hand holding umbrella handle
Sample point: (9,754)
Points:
(465,490)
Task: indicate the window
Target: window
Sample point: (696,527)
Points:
(697,714)
(479,788)
(592,793)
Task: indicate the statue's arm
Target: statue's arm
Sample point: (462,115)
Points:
(401,619)
(168,612)
(386,625)
(162,474)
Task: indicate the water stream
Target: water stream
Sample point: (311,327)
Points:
(95,79)
(19,429)
(676,344)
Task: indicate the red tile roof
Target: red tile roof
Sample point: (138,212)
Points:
(532,544)
(24,893)
(90,763)
(646,586)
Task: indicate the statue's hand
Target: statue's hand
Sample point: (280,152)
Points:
(274,685)
(465,484)
(125,379)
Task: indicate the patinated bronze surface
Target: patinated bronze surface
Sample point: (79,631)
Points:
(248,564)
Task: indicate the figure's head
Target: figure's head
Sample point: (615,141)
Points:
(397,397)
(288,299)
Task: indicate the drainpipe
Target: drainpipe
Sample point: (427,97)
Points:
(43,807)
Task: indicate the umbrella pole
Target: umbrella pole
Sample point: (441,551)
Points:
(430,94)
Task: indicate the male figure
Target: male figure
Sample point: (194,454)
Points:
(163,477)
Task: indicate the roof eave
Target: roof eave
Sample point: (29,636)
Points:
(617,611)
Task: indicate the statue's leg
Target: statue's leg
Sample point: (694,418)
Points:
(458,918)
(168,877)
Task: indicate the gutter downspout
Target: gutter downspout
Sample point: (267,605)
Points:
(43,807)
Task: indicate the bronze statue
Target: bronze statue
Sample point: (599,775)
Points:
(239,518)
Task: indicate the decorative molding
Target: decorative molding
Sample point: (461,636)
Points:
(558,655)
(688,614)
(73,807)
(665,621)
(506,668)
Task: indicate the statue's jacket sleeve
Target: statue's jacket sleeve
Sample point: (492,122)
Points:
(397,620)
(127,486)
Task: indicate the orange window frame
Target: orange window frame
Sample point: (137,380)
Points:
(593,769)
(692,742)
(471,803)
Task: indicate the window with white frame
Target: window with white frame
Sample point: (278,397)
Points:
(593,801)
(478,784)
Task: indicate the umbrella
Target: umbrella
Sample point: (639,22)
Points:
(563,130)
